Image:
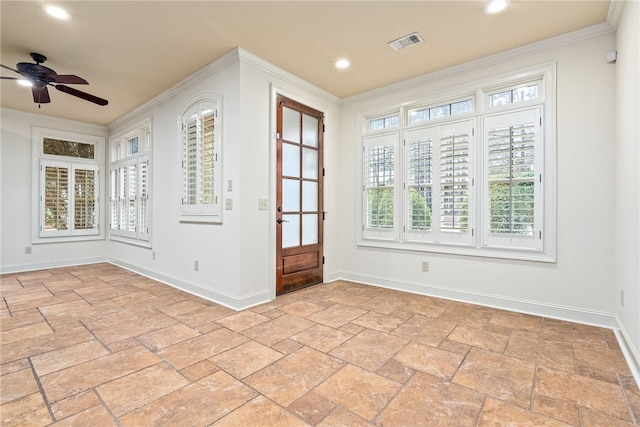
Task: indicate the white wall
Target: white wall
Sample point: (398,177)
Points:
(627,178)
(236,258)
(580,285)
(16,178)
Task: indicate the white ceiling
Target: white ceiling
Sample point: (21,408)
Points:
(131,51)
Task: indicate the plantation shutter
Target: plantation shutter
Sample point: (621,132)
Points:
(513,180)
(143,205)
(454,182)
(55,199)
(85,199)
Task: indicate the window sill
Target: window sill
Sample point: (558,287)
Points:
(452,249)
(201,219)
(65,239)
(131,241)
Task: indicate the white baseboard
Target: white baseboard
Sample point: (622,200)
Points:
(630,352)
(222,298)
(47,265)
(571,314)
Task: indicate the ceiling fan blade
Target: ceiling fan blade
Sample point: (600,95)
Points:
(9,68)
(82,95)
(40,95)
(70,79)
(11,78)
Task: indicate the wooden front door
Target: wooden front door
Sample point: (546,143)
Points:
(299,215)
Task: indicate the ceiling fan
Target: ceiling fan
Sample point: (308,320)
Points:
(40,77)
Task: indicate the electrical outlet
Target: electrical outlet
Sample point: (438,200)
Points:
(425,265)
(153,255)
(228,204)
(196,265)
(27,250)
(621,298)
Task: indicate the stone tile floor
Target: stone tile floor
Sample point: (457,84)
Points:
(97,345)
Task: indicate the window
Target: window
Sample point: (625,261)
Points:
(384,122)
(200,161)
(129,185)
(68,193)
(472,182)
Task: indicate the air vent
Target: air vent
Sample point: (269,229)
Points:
(408,40)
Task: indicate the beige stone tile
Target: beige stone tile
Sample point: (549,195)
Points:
(26,294)
(278,329)
(505,322)
(351,328)
(246,359)
(287,346)
(110,320)
(204,315)
(632,393)
(496,413)
(425,330)
(76,354)
(16,365)
(199,370)
(198,404)
(597,361)
(75,379)
(200,348)
(558,409)
(502,377)
(321,337)
(168,336)
(369,349)
(139,388)
(302,308)
(62,298)
(290,377)
(122,345)
(336,315)
(467,314)
(559,330)
(396,371)
(182,307)
(383,304)
(242,320)
(263,412)
(312,408)
(359,391)
(378,321)
(430,360)
(17,385)
(341,418)
(42,344)
(454,347)
(595,419)
(534,348)
(75,404)
(584,392)
(25,332)
(479,338)
(428,401)
(134,328)
(28,411)
(93,416)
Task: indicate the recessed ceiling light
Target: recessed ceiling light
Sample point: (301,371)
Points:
(56,12)
(342,63)
(24,82)
(496,6)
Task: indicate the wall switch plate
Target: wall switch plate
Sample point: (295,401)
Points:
(263,204)
(153,255)
(228,204)
(230,185)
(27,250)
(425,265)
(196,265)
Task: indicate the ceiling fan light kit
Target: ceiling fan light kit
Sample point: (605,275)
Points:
(39,77)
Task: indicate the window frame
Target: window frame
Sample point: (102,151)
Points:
(545,77)
(39,162)
(122,158)
(201,212)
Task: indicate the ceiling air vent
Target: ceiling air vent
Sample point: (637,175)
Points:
(408,40)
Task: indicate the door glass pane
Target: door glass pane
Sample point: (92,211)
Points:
(290,160)
(309,229)
(290,125)
(309,130)
(290,195)
(309,196)
(309,163)
(290,231)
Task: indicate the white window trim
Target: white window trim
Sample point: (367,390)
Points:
(118,156)
(38,136)
(546,75)
(210,213)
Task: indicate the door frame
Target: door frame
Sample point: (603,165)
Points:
(276,90)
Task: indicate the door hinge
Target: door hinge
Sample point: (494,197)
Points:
(323,260)
(473,131)
(323,128)
(277,135)
(322,171)
(540,235)
(324,214)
